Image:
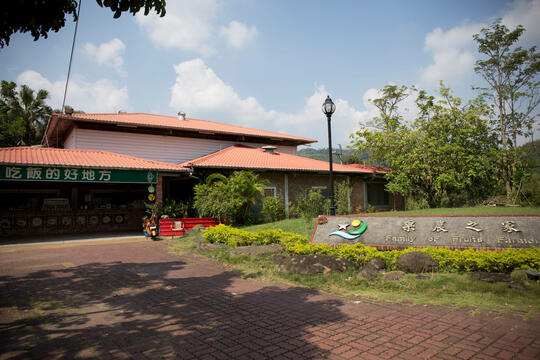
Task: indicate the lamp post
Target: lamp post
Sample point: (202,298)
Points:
(328,109)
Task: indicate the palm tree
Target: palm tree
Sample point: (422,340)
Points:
(23,116)
(249,187)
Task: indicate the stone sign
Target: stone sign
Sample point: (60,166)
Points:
(488,231)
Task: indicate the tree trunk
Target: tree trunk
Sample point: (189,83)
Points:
(504,142)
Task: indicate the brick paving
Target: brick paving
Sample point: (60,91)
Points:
(134,300)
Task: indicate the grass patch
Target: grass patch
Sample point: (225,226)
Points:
(442,289)
(300,226)
(39,311)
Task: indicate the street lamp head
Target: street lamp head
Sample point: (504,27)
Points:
(328,107)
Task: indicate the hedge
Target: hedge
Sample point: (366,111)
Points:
(234,237)
(449,260)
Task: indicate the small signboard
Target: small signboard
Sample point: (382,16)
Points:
(489,231)
(47,173)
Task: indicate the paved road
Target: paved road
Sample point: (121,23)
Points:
(131,299)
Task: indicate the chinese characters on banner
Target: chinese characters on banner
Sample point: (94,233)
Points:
(34,173)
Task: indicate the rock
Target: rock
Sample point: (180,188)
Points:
(378,263)
(517,284)
(258,250)
(393,276)
(532,275)
(423,277)
(312,264)
(491,277)
(417,262)
(196,229)
(368,272)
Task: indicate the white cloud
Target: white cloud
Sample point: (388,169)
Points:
(200,92)
(453,54)
(108,54)
(91,97)
(454,51)
(526,13)
(188,25)
(238,34)
(191,25)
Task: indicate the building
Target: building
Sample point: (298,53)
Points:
(96,171)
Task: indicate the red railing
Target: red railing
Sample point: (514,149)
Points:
(178,226)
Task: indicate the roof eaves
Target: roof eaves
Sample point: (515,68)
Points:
(273,136)
(180,169)
(188,164)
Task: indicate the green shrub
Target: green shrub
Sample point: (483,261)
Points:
(293,210)
(174,209)
(273,209)
(413,204)
(342,198)
(312,203)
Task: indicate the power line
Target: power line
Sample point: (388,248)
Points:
(71,57)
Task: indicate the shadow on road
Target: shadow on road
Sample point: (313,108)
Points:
(117,310)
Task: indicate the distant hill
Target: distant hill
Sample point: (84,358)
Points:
(346,156)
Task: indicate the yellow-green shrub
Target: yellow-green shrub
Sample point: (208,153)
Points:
(449,260)
(234,237)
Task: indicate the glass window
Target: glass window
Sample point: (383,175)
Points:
(377,195)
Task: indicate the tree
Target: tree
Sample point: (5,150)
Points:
(41,16)
(229,198)
(389,122)
(444,156)
(23,116)
(510,73)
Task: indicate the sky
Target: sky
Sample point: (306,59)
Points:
(266,64)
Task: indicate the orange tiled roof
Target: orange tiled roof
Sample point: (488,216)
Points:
(369,168)
(26,155)
(245,157)
(172,122)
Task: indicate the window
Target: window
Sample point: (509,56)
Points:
(324,190)
(303,191)
(269,191)
(377,195)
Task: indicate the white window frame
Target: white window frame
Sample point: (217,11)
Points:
(273,188)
